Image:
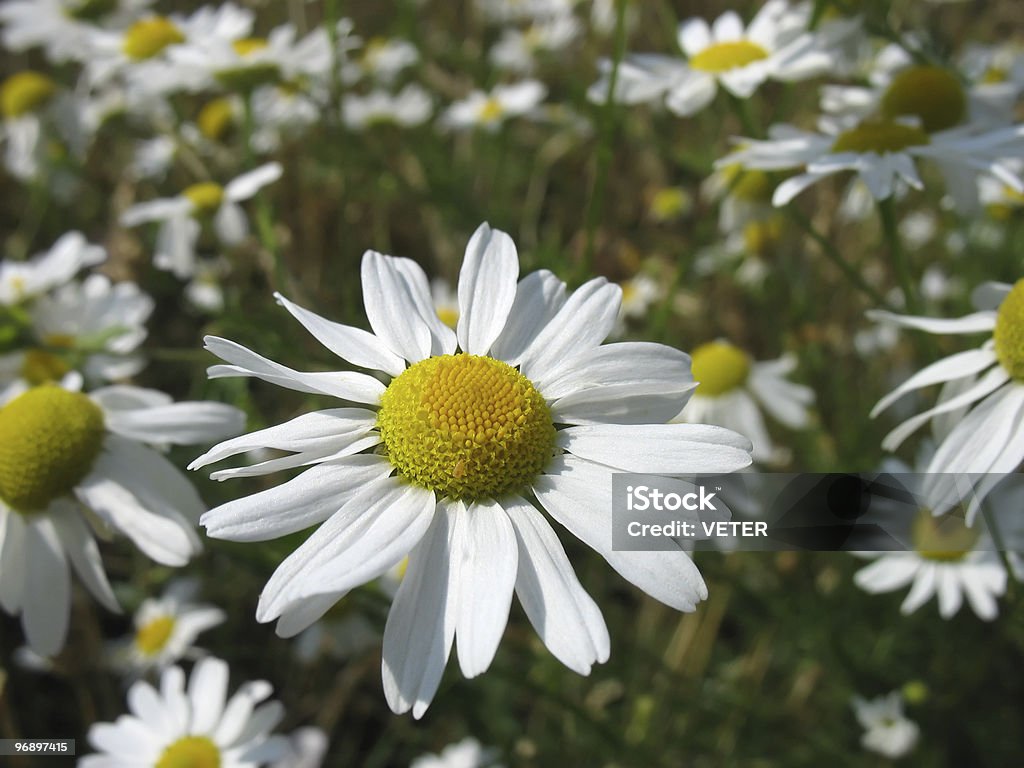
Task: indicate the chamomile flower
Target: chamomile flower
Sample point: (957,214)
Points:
(775,45)
(983,393)
(887,730)
(29,102)
(24,280)
(505,11)
(744,196)
(180,216)
(732,389)
(381,60)
(490,110)
(517,50)
(468,753)
(520,401)
(306,748)
(883,153)
(63,453)
(197,727)
(410,107)
(166,628)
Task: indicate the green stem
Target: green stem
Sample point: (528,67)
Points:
(900,260)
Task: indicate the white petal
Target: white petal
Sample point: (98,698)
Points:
(352,344)
(207,689)
(119,397)
(658,448)
(988,296)
(421,623)
(727,28)
(487,289)
(304,612)
(691,93)
(248,184)
(887,573)
(950,597)
(644,367)
(981,599)
(979,322)
(47,606)
(539,296)
(80,548)
(239,709)
(178,423)
(563,614)
(13,564)
(693,36)
(485,547)
(230,224)
(922,589)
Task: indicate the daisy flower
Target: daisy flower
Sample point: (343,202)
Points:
(24,280)
(983,393)
(468,753)
(490,110)
(180,216)
(732,389)
(28,99)
(887,730)
(64,454)
(518,409)
(516,51)
(166,628)
(175,726)
(381,60)
(883,153)
(505,11)
(410,107)
(306,747)
(775,45)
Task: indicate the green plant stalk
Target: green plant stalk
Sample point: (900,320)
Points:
(900,260)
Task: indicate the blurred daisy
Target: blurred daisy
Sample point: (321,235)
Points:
(27,100)
(24,280)
(381,60)
(883,153)
(410,107)
(490,110)
(196,727)
(306,748)
(180,216)
(468,753)
(438,464)
(205,290)
(983,394)
(62,27)
(517,50)
(732,389)
(166,628)
(776,45)
(744,196)
(70,460)
(505,11)
(887,730)
(667,204)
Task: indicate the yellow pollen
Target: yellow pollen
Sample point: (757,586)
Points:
(25,92)
(205,196)
(880,137)
(722,57)
(41,367)
(932,94)
(190,752)
(152,637)
(215,118)
(944,538)
(147,37)
(248,45)
(719,367)
(1009,333)
(491,111)
(49,440)
(466,426)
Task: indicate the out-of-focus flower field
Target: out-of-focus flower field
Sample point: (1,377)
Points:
(820,203)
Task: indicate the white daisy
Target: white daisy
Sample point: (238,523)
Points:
(883,153)
(307,748)
(409,107)
(468,753)
(67,457)
(887,730)
(180,216)
(517,50)
(775,45)
(27,99)
(196,727)
(381,60)
(983,395)
(24,280)
(490,110)
(449,462)
(732,388)
(505,11)
(166,628)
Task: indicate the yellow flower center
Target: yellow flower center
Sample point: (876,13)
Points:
(152,637)
(449,316)
(722,57)
(206,196)
(759,236)
(215,118)
(25,92)
(250,74)
(932,94)
(49,440)
(249,45)
(752,186)
(719,367)
(42,367)
(994,76)
(1009,333)
(466,426)
(147,37)
(669,202)
(190,752)
(944,538)
(491,111)
(880,137)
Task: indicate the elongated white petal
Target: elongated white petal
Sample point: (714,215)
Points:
(887,573)
(230,223)
(539,296)
(304,612)
(485,547)
(979,322)
(248,184)
(80,547)
(12,560)
(487,289)
(658,448)
(578,495)
(421,623)
(391,309)
(563,614)
(304,501)
(650,368)
(352,344)
(921,590)
(442,338)
(120,397)
(179,423)
(207,689)
(47,605)
(947,369)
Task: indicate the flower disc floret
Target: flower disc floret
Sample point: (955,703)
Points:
(205,196)
(880,137)
(932,94)
(944,538)
(190,752)
(215,118)
(49,441)
(719,367)
(1009,332)
(25,92)
(153,636)
(721,57)
(466,427)
(147,37)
